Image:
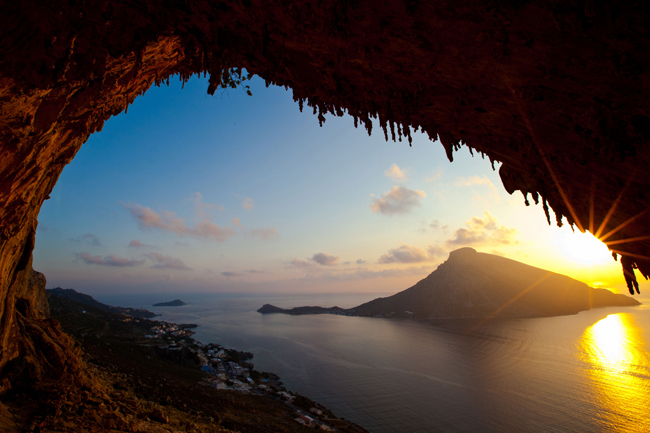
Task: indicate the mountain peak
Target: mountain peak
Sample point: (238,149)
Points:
(462,253)
(472,284)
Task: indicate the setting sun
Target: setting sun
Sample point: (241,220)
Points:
(584,249)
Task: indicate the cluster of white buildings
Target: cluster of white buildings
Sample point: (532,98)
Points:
(225,374)
(166,329)
(217,353)
(309,421)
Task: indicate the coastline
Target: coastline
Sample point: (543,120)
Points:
(212,366)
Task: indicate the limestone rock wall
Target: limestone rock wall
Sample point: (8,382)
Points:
(557,91)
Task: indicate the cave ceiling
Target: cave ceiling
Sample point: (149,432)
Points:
(556,91)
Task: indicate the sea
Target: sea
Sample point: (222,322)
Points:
(588,372)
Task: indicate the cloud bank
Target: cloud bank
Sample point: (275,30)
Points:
(483,231)
(147,218)
(412,254)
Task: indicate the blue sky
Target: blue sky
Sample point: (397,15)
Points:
(198,193)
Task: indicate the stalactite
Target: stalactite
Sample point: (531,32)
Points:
(546,210)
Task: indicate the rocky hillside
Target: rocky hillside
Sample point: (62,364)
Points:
(473,284)
(82,298)
(133,385)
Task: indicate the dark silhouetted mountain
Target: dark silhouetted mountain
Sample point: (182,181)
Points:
(268,309)
(479,285)
(92,302)
(473,284)
(174,303)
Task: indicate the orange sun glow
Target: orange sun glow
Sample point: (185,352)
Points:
(584,249)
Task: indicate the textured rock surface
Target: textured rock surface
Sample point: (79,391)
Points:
(555,90)
(33,345)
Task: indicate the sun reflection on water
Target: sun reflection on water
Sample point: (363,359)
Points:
(614,350)
(609,345)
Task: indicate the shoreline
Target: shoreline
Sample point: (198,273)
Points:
(215,367)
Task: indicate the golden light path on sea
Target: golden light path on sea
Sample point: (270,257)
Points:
(615,351)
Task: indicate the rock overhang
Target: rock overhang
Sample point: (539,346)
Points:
(555,91)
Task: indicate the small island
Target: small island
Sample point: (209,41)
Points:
(174,303)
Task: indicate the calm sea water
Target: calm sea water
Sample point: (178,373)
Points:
(588,372)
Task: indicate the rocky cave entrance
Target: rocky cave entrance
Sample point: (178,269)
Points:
(543,88)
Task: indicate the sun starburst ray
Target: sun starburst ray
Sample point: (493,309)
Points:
(614,205)
(623,225)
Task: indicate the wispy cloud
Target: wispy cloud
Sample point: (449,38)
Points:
(87,238)
(111,260)
(395,173)
(432,226)
(479,180)
(435,175)
(231,274)
(398,200)
(147,218)
(202,209)
(360,262)
(325,259)
(483,231)
(473,180)
(297,263)
(248,203)
(365,273)
(136,243)
(265,233)
(257,271)
(322,259)
(436,252)
(236,222)
(410,254)
(167,262)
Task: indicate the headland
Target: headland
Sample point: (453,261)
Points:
(157,377)
(473,285)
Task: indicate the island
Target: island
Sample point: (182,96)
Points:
(480,285)
(268,309)
(174,303)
